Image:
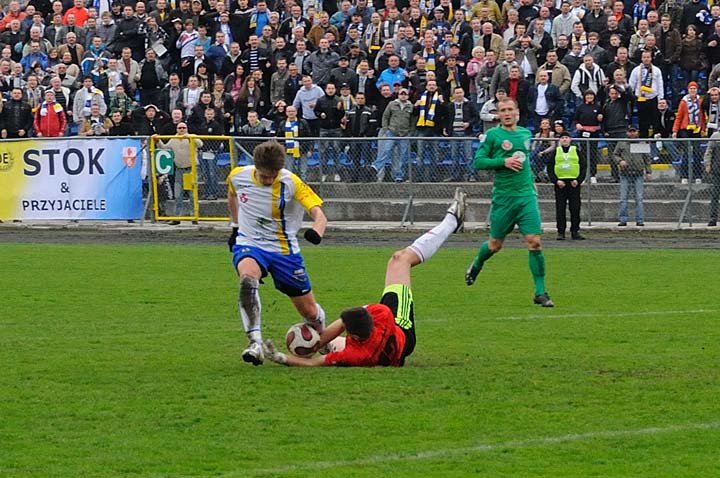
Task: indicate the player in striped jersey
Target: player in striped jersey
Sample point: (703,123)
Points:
(267,204)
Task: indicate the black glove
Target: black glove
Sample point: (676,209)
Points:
(312,236)
(233,238)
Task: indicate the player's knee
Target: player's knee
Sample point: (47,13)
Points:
(533,243)
(495,245)
(399,257)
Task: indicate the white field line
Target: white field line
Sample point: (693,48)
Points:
(485,448)
(588,315)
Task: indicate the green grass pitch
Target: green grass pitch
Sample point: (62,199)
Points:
(123,360)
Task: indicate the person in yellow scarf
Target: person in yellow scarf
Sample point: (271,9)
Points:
(429,109)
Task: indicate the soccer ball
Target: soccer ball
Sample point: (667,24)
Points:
(300,340)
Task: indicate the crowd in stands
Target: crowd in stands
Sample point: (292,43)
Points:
(332,69)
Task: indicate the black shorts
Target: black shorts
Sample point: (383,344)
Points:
(399,299)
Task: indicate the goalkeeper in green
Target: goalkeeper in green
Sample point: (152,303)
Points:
(514,198)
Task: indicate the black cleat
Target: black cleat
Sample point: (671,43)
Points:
(560,236)
(471,274)
(622,224)
(544,300)
(577,237)
(457,208)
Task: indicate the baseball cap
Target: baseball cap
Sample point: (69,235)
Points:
(439,9)
(151,106)
(692,83)
(344,85)
(559,121)
(564,133)
(632,128)
(403,90)
(343,58)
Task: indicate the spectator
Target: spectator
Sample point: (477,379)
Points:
(120,127)
(459,122)
(35,60)
(306,98)
(330,112)
(588,120)
(321,62)
(248,100)
(502,71)
(712,168)
(171,96)
(152,79)
(209,126)
(518,89)
(690,122)
(647,85)
(692,55)
(85,98)
(120,101)
(488,114)
(566,169)
(148,122)
(396,123)
(359,122)
(430,110)
(95,124)
(542,148)
(180,147)
(588,76)
(634,168)
(130,69)
(545,100)
(291,129)
(50,120)
(16,119)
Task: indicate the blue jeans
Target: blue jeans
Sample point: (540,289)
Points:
(637,183)
(462,159)
(324,147)
(385,155)
(298,166)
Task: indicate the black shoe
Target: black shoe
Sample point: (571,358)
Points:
(640,224)
(577,237)
(543,300)
(622,224)
(471,274)
(560,236)
(174,223)
(712,223)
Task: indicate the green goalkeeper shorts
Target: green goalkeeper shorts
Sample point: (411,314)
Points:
(507,211)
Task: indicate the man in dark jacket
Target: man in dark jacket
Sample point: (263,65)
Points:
(518,89)
(460,120)
(359,122)
(16,119)
(544,100)
(330,113)
(127,34)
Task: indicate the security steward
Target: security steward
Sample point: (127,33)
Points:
(566,169)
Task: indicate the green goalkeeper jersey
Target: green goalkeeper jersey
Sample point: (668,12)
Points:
(500,144)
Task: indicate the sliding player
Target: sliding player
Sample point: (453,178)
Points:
(382,334)
(514,198)
(267,203)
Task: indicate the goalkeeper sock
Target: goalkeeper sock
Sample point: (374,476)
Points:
(428,244)
(318,323)
(537,268)
(249,305)
(483,255)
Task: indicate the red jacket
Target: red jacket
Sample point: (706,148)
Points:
(52,124)
(682,118)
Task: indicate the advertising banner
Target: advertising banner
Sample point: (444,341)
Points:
(71,178)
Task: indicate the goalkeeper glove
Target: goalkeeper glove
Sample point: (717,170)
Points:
(273,354)
(233,238)
(312,236)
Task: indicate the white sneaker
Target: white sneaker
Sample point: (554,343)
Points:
(457,208)
(253,353)
(698,181)
(593,180)
(337,178)
(683,181)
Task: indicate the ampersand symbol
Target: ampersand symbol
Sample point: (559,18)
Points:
(64,188)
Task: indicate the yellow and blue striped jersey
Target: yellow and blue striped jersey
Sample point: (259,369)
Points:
(269,217)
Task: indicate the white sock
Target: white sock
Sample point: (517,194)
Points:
(318,323)
(249,305)
(428,244)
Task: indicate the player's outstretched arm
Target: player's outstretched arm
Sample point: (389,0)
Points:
(290,360)
(330,333)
